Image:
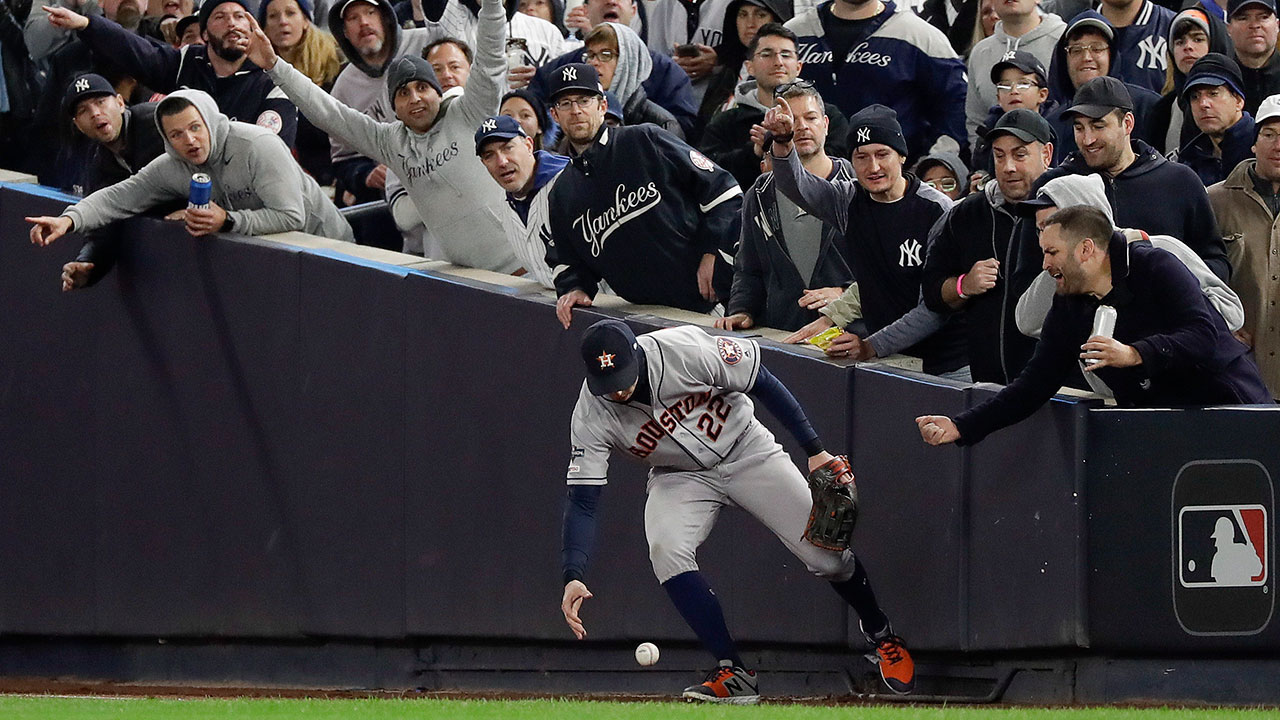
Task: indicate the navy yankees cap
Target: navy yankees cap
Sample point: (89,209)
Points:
(611,354)
(498,127)
(576,77)
(86,86)
(1022,61)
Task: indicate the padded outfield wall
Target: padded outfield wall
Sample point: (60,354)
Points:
(252,440)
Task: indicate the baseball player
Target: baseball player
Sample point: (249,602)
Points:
(681,400)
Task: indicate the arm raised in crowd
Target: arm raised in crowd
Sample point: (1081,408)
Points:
(486,84)
(151,186)
(152,62)
(358,130)
(827,200)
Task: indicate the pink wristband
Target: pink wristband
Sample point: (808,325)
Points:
(959,285)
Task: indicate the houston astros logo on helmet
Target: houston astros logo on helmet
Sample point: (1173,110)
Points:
(570,73)
(606,360)
(489,125)
(864,134)
(82,84)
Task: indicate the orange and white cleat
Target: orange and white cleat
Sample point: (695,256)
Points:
(727,684)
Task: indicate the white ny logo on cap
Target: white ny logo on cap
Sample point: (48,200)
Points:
(864,134)
(489,125)
(570,73)
(82,84)
(1009,55)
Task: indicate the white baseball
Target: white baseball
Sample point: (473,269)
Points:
(646,654)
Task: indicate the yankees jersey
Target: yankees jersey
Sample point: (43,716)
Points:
(698,385)
(543,41)
(639,208)
(676,22)
(1142,47)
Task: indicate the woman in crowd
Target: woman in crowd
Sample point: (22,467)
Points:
(741,21)
(530,112)
(623,62)
(315,54)
(1193,34)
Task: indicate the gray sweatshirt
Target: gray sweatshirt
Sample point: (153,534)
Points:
(1040,41)
(450,187)
(255,179)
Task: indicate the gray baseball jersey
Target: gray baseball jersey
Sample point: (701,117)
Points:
(706,448)
(700,409)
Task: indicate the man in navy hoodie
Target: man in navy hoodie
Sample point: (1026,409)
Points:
(1170,347)
(1147,191)
(508,155)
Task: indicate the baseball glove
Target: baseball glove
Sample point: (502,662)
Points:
(835,505)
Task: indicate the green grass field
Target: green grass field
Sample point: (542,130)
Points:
(58,708)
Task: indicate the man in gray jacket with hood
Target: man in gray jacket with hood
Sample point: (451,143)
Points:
(427,146)
(258,188)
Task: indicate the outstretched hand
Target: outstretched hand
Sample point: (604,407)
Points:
(574,593)
(65,18)
(780,121)
(259,52)
(45,229)
(937,429)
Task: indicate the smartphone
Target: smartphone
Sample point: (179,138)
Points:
(687,50)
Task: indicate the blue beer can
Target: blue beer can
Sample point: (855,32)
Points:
(201,191)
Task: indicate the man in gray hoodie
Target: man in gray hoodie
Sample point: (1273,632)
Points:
(258,188)
(427,146)
(1022,26)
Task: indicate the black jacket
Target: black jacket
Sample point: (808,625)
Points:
(977,228)
(727,140)
(639,208)
(1236,146)
(766,283)
(1160,197)
(248,95)
(1189,357)
(142,144)
(1261,83)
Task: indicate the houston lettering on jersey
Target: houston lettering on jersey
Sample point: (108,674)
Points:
(627,206)
(710,422)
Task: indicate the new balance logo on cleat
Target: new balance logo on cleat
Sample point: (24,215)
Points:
(897,669)
(726,684)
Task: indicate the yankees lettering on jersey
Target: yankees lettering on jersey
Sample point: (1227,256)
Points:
(627,206)
(410,172)
(813,53)
(697,384)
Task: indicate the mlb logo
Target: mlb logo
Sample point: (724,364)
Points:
(1222,551)
(1222,546)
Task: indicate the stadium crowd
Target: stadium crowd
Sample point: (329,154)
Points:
(962,181)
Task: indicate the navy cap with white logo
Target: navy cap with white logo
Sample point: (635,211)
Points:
(88,85)
(611,354)
(574,77)
(498,127)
